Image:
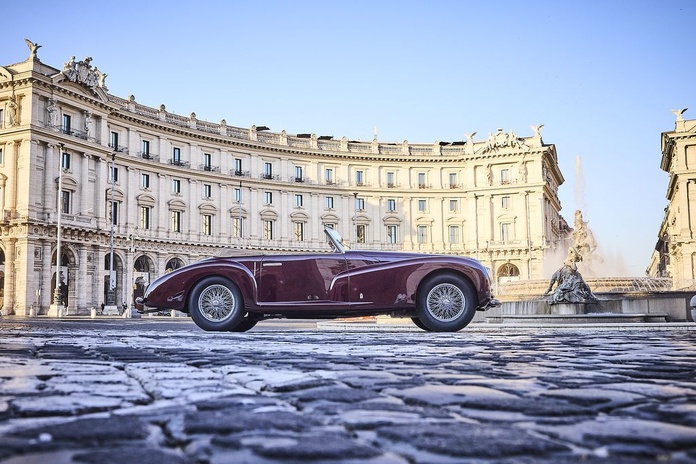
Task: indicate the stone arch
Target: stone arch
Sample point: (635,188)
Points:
(68,269)
(118,269)
(508,272)
(143,271)
(173,264)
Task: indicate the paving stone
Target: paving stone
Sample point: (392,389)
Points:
(471,440)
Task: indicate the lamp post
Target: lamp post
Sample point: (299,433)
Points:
(56,309)
(355,220)
(110,307)
(240,214)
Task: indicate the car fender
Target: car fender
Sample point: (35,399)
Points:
(176,286)
(396,283)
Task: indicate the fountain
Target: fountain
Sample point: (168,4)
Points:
(570,298)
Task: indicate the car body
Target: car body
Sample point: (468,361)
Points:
(237,288)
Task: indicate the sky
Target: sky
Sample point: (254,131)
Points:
(602,76)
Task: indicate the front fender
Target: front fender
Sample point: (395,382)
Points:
(172,290)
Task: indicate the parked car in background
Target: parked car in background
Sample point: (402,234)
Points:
(238,288)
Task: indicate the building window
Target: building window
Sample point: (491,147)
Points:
(237,167)
(207,225)
(298,201)
(113,140)
(421,180)
(299,229)
(453,206)
(176,186)
(391,234)
(504,176)
(145,217)
(237,227)
(67,124)
(391,205)
(268,197)
(65,201)
(453,180)
(268,229)
(113,212)
(422,206)
(359,178)
(329,202)
(360,233)
(146,148)
(329,176)
(391,180)
(268,171)
(505,202)
(360,204)
(113,175)
(177,217)
(422,234)
(176,156)
(453,234)
(207,161)
(207,191)
(2,158)
(238,195)
(145,181)
(505,231)
(65,161)
(298,174)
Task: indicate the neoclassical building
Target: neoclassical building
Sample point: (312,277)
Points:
(125,192)
(675,252)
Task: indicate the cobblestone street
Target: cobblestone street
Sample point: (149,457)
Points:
(155,390)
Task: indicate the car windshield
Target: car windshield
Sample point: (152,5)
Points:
(335,240)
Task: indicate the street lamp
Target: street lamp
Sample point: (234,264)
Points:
(110,307)
(56,309)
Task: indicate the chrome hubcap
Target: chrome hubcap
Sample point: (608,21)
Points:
(216,303)
(445,302)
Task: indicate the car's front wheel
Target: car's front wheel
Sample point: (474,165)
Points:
(216,304)
(244,325)
(446,303)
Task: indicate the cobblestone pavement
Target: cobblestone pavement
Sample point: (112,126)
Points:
(151,391)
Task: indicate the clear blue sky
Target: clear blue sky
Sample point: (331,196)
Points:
(601,75)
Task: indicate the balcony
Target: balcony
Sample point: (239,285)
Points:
(148,156)
(118,148)
(208,168)
(298,179)
(269,177)
(178,162)
(238,173)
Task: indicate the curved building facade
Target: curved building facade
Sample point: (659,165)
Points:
(125,192)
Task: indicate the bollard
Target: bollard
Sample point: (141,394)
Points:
(32,311)
(93,312)
(693,308)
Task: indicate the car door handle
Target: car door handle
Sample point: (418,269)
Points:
(272,264)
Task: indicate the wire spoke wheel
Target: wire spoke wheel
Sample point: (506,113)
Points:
(216,303)
(445,302)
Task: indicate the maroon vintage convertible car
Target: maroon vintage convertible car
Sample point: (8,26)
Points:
(238,288)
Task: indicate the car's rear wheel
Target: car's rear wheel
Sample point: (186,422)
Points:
(419,324)
(216,304)
(446,303)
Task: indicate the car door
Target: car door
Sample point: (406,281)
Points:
(301,280)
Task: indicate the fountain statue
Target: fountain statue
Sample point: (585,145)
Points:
(570,286)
